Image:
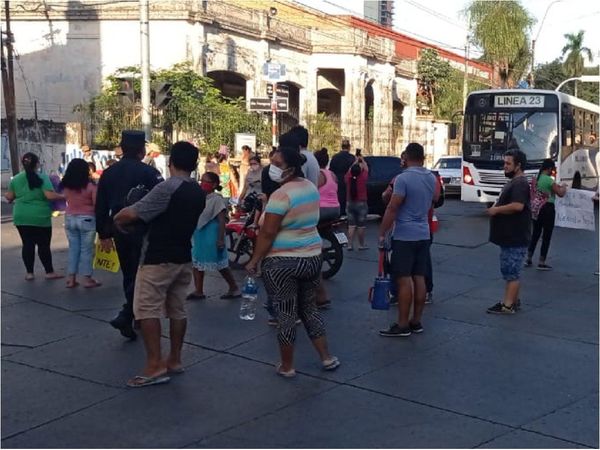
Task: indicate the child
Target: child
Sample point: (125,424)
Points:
(208,242)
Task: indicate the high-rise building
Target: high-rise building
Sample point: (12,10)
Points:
(380,11)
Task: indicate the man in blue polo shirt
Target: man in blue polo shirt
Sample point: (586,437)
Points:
(414,192)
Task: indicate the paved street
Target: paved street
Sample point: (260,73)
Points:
(470,380)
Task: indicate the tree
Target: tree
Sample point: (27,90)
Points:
(197,112)
(500,29)
(550,75)
(576,50)
(433,71)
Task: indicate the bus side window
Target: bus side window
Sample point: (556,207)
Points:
(567,126)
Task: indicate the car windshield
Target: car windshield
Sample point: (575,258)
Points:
(490,134)
(447,163)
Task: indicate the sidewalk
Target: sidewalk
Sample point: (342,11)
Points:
(470,380)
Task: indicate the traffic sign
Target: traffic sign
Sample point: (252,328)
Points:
(274,71)
(264,104)
(282,90)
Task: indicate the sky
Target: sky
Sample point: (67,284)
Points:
(440,22)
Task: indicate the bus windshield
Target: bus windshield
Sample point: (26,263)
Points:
(489,134)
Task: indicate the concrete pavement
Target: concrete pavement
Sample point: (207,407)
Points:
(470,380)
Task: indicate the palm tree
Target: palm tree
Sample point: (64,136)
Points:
(500,29)
(574,61)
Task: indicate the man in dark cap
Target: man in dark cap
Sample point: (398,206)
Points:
(340,165)
(114,188)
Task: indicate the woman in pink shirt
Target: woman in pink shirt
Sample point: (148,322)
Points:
(329,203)
(356,206)
(80,222)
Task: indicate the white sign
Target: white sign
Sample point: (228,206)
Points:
(576,210)
(242,139)
(274,71)
(519,101)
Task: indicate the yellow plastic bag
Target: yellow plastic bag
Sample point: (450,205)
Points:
(108,261)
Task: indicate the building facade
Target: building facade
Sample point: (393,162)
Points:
(343,66)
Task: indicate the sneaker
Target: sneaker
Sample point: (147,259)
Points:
(415,327)
(544,267)
(528,263)
(501,308)
(394,301)
(429,298)
(395,331)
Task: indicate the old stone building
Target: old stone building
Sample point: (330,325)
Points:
(344,66)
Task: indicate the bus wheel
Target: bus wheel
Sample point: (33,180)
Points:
(576,184)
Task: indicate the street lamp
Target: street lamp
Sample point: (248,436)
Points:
(583,79)
(533,41)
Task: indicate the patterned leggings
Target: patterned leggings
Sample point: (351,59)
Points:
(292,284)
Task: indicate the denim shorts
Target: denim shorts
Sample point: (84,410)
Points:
(511,262)
(357,214)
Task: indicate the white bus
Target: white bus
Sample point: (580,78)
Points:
(542,124)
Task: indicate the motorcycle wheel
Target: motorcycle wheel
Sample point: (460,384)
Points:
(333,255)
(240,256)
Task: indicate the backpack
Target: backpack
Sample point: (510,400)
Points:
(537,199)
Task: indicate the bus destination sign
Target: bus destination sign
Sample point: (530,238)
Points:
(519,101)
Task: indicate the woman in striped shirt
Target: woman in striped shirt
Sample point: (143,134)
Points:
(291,247)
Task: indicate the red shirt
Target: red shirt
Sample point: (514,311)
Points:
(361,186)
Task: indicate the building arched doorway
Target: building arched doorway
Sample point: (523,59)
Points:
(231,84)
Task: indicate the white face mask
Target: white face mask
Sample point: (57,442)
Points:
(275,173)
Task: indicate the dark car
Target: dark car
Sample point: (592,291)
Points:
(382,170)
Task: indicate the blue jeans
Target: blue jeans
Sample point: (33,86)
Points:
(81,232)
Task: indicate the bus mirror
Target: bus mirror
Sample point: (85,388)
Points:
(452,131)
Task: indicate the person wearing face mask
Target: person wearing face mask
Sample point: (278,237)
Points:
(252,182)
(510,229)
(290,247)
(208,243)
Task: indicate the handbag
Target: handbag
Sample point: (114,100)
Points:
(108,261)
(538,199)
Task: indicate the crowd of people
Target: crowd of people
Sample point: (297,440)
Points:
(168,233)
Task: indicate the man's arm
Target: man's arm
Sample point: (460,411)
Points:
(390,215)
(511,208)
(103,221)
(152,205)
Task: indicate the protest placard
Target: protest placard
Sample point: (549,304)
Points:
(576,210)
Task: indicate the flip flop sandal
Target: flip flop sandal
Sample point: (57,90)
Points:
(93,285)
(193,296)
(141,381)
(29,277)
(363,248)
(283,373)
(230,296)
(176,371)
(56,276)
(331,364)
(72,285)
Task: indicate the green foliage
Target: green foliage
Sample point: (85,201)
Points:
(550,75)
(450,96)
(433,72)
(324,131)
(197,112)
(575,51)
(501,28)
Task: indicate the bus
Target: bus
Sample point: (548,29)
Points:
(542,124)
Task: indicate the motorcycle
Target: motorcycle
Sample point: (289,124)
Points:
(241,237)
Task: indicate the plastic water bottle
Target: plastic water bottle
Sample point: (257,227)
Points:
(249,297)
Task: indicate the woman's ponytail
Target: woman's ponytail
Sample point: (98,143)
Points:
(30,163)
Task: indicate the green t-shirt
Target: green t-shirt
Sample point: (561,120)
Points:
(31,206)
(544,184)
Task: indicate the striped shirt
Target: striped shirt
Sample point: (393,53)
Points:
(298,203)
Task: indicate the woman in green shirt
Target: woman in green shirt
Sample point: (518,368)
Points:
(544,223)
(31,193)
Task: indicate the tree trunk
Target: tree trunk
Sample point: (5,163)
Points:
(575,91)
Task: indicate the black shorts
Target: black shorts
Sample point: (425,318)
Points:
(409,258)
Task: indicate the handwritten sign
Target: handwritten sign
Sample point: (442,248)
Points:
(108,261)
(576,210)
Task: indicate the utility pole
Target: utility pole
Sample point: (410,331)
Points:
(466,76)
(8,84)
(145,53)
(531,75)
(274,114)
